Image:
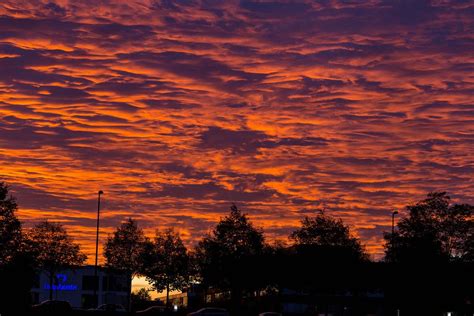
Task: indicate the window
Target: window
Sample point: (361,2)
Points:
(89,283)
(114,283)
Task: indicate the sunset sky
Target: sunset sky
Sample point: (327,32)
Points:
(176,109)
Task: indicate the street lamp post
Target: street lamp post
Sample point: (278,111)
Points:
(393,232)
(96,281)
(393,221)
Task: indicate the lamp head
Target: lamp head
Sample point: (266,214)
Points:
(395,212)
(101,192)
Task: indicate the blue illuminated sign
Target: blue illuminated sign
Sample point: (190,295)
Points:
(61,284)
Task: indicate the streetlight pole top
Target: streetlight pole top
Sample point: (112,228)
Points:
(395,212)
(101,192)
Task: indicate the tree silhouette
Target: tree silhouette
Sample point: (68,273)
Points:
(10,227)
(327,234)
(16,264)
(434,231)
(141,298)
(142,295)
(166,262)
(222,254)
(123,250)
(54,250)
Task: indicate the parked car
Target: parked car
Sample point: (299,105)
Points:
(154,310)
(109,309)
(210,311)
(269,314)
(52,307)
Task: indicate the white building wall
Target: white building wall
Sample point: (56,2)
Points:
(76,286)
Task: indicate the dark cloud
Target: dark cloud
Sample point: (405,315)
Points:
(247,141)
(275,10)
(212,191)
(240,141)
(169,104)
(17,133)
(32,198)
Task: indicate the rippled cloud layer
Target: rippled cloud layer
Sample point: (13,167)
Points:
(177,109)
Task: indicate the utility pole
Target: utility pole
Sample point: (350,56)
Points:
(96,280)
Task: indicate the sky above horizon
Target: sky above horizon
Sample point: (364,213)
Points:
(176,109)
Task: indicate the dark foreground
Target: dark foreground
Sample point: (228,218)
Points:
(337,290)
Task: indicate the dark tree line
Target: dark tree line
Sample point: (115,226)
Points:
(322,258)
(434,231)
(46,247)
(322,255)
(234,259)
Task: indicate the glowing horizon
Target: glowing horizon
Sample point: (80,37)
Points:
(177,110)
